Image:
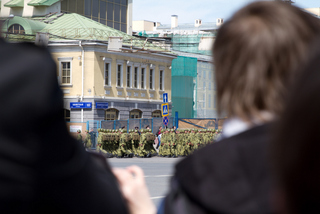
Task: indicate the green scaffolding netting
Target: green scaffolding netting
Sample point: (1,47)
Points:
(184,72)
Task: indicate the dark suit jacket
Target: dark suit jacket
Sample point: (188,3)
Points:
(42,168)
(230,176)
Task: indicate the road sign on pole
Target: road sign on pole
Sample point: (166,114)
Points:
(165,109)
(165,97)
(165,121)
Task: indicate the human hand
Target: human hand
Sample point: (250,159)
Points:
(134,190)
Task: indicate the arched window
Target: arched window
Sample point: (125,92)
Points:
(156,113)
(112,114)
(66,114)
(16,29)
(136,113)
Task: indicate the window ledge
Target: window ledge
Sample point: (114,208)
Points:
(143,89)
(107,86)
(66,85)
(152,90)
(161,91)
(131,89)
(119,87)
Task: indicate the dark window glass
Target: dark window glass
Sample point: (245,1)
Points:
(110,23)
(123,14)
(142,78)
(64,5)
(103,10)
(16,29)
(106,74)
(80,8)
(116,26)
(110,0)
(117,1)
(95,8)
(87,7)
(102,21)
(67,115)
(119,76)
(72,6)
(128,76)
(95,19)
(117,13)
(136,77)
(151,78)
(109,11)
(123,28)
(124,2)
(161,77)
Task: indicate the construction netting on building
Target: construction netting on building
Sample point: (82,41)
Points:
(190,43)
(183,83)
(206,105)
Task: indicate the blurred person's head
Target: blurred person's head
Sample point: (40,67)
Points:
(296,146)
(255,54)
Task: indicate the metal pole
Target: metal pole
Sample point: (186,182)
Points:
(128,126)
(177,119)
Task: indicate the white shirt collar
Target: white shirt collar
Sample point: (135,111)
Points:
(235,125)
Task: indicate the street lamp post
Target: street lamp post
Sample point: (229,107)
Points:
(11,16)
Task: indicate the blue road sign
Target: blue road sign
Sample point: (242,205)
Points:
(165,109)
(79,105)
(165,121)
(101,105)
(165,97)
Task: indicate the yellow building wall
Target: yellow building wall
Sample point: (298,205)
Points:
(99,77)
(94,75)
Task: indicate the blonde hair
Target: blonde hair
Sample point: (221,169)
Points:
(255,55)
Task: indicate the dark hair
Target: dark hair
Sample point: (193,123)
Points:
(255,53)
(296,146)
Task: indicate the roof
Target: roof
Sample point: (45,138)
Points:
(73,27)
(29,26)
(42,2)
(14,3)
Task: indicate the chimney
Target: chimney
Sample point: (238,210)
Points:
(174,21)
(219,22)
(197,22)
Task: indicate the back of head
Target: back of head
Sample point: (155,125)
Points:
(255,53)
(296,146)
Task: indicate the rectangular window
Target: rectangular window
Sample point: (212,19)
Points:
(119,82)
(161,80)
(123,14)
(129,76)
(209,85)
(116,13)
(95,8)
(142,77)
(215,101)
(151,79)
(209,101)
(80,7)
(103,8)
(66,73)
(204,85)
(87,8)
(107,74)
(109,11)
(136,77)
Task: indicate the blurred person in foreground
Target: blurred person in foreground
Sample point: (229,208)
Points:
(42,168)
(255,55)
(296,147)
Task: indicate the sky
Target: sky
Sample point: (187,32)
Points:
(189,10)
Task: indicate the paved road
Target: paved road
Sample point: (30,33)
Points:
(158,172)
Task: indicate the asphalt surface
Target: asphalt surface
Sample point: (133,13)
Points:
(158,172)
